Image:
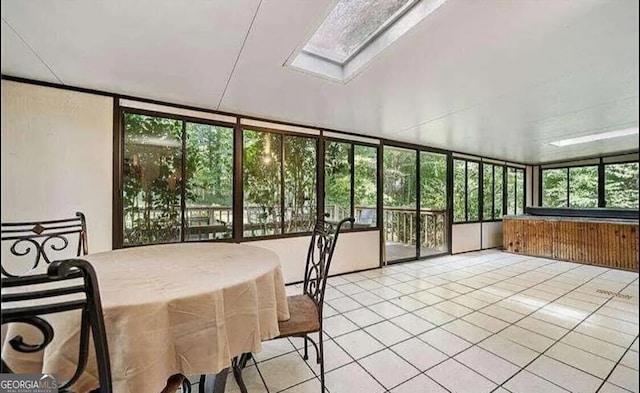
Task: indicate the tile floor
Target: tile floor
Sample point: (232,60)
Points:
(479,322)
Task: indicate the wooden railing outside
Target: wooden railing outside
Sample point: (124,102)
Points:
(400,227)
(215,222)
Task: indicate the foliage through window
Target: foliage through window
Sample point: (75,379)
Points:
(515,191)
(153,186)
(493,178)
(466,190)
(279,183)
(583,187)
(351,171)
(365,182)
(575,187)
(621,185)
(209,193)
(433,203)
(554,187)
(337,180)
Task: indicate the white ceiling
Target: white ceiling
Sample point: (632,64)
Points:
(500,78)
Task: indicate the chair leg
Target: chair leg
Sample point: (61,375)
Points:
(320,360)
(306,347)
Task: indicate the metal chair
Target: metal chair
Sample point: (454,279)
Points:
(46,301)
(43,240)
(306,309)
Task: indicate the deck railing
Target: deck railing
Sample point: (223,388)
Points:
(214,222)
(400,227)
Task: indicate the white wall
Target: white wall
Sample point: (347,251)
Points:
(529,186)
(491,234)
(57,157)
(354,251)
(466,237)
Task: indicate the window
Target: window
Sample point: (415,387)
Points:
(575,187)
(621,185)
(493,177)
(209,193)
(433,203)
(400,202)
(583,187)
(300,155)
(366,186)
(279,183)
(515,191)
(337,180)
(459,191)
(157,205)
(466,191)
(554,188)
(351,182)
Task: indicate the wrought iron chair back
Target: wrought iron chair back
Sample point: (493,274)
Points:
(38,241)
(47,301)
(323,242)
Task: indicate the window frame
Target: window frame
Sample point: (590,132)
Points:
(515,186)
(352,144)
(602,182)
(418,149)
(240,179)
(236,122)
(466,190)
(118,177)
(600,165)
(502,167)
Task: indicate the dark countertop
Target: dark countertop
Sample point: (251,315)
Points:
(580,219)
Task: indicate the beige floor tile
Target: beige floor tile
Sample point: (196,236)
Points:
(625,377)
(582,360)
(388,368)
(458,378)
(352,379)
(444,341)
(420,354)
(487,364)
(525,382)
(421,383)
(563,375)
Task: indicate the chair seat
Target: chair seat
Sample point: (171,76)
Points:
(304,317)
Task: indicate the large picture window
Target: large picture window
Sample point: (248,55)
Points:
(279,183)
(570,187)
(158,205)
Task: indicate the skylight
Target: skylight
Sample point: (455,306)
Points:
(350,25)
(354,32)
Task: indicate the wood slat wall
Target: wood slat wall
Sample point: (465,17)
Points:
(602,243)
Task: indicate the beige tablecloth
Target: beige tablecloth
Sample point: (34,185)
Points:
(168,309)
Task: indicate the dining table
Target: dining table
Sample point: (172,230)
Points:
(183,308)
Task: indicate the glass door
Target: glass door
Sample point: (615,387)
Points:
(433,204)
(400,203)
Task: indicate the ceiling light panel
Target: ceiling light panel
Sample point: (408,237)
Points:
(595,137)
